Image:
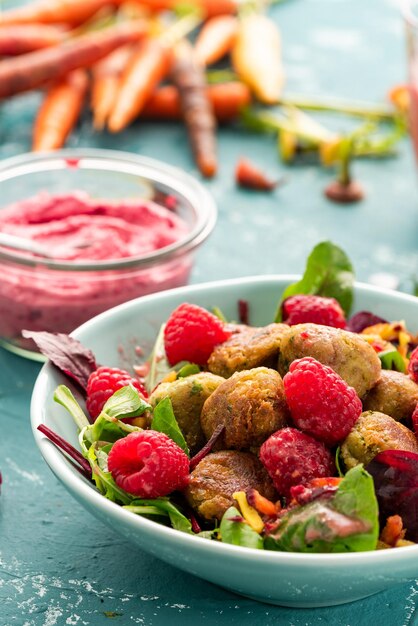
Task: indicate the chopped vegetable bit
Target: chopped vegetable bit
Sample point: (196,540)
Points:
(393,530)
(249,513)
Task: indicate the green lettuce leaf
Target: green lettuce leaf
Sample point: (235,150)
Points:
(347,522)
(237,532)
(103,479)
(165,422)
(328,273)
(162,506)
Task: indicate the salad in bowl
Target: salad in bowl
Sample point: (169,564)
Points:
(268,429)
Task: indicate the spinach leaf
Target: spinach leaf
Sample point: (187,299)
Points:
(347,522)
(328,273)
(165,421)
(238,533)
(162,506)
(125,402)
(356,498)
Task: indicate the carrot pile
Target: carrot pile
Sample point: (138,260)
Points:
(134,60)
(121,52)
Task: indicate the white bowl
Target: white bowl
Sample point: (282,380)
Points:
(288,579)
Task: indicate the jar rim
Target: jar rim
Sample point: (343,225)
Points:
(173,178)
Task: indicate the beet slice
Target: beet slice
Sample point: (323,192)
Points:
(395,476)
(363,319)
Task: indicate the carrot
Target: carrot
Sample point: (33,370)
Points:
(35,69)
(250,176)
(227,100)
(28,37)
(144,71)
(261,504)
(197,111)
(256,57)
(393,530)
(105,83)
(208,7)
(72,12)
(216,38)
(60,111)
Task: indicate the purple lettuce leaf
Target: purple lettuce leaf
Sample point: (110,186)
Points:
(66,353)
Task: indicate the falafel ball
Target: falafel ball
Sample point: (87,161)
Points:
(373,433)
(251,347)
(250,404)
(394,394)
(346,353)
(187,396)
(219,475)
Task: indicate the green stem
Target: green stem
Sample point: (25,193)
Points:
(354,108)
(345,161)
(63,396)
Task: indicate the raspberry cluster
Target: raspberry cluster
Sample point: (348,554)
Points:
(324,409)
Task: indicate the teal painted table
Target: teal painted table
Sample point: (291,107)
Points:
(58,565)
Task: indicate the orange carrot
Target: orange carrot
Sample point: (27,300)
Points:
(144,71)
(208,7)
(393,530)
(227,100)
(60,111)
(256,57)
(250,176)
(105,83)
(261,504)
(28,37)
(216,38)
(72,12)
(35,69)
(197,112)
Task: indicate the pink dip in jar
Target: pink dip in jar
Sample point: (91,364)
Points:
(114,225)
(76,228)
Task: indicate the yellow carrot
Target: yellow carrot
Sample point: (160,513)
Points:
(215,39)
(256,57)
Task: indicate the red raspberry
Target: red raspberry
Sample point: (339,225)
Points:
(314,309)
(293,458)
(413,365)
(191,333)
(148,464)
(320,401)
(103,383)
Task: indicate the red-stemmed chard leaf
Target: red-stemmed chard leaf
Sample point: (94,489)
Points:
(66,353)
(363,319)
(207,447)
(67,448)
(395,476)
